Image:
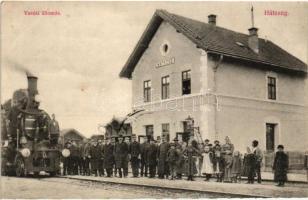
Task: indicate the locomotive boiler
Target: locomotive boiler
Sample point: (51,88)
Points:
(29,146)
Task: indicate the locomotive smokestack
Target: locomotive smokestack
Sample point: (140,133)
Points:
(32,85)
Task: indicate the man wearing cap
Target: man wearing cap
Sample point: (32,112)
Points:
(162,167)
(108,157)
(121,156)
(135,155)
(152,158)
(101,160)
(144,147)
(85,157)
(95,155)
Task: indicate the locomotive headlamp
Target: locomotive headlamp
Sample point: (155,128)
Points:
(25,152)
(23,140)
(37,98)
(66,153)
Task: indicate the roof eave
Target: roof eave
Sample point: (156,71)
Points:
(257,61)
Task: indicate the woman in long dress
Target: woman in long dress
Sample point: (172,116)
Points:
(207,165)
(227,152)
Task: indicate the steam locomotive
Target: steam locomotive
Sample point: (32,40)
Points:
(28,145)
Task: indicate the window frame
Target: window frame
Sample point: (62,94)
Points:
(165,87)
(187,78)
(166,132)
(147,85)
(271,87)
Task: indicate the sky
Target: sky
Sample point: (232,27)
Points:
(78,54)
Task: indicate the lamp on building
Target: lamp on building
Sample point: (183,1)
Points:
(190,123)
(190,126)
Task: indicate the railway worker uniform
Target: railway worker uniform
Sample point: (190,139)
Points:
(135,156)
(101,160)
(121,156)
(85,154)
(95,155)
(74,159)
(152,158)
(108,157)
(144,147)
(163,168)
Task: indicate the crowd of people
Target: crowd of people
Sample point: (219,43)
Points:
(171,160)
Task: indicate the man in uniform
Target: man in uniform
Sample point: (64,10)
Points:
(95,155)
(85,152)
(152,158)
(135,155)
(144,146)
(74,158)
(101,160)
(163,169)
(114,168)
(108,157)
(121,157)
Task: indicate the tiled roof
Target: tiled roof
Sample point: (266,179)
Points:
(214,39)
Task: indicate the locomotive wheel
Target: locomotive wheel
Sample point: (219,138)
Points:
(20,167)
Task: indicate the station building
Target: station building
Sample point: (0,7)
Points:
(230,83)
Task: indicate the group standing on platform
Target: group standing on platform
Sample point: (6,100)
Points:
(171,160)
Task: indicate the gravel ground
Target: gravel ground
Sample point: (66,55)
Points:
(58,188)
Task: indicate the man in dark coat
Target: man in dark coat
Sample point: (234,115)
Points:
(121,156)
(163,169)
(135,155)
(108,157)
(73,165)
(180,161)
(101,160)
(280,167)
(152,158)
(85,152)
(144,146)
(95,155)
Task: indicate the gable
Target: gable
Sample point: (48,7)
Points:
(217,40)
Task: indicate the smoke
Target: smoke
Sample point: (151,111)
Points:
(18,67)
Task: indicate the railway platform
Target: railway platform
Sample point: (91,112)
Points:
(264,190)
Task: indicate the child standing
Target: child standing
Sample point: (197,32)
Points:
(280,167)
(236,166)
(207,165)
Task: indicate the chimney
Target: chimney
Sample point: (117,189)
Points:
(253,40)
(32,86)
(212,19)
